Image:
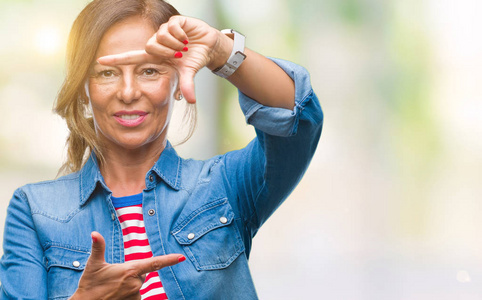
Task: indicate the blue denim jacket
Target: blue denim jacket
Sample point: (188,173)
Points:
(186,205)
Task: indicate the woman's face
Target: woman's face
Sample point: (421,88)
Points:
(131,104)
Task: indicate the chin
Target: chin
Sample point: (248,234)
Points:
(138,144)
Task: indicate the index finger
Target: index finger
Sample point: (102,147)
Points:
(127,58)
(157,262)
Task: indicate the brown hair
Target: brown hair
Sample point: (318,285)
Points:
(85,36)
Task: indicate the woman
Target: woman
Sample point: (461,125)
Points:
(133,220)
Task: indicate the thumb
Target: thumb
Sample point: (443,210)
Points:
(186,84)
(98,248)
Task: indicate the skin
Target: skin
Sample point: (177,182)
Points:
(129,49)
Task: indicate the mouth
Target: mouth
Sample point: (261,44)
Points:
(130,118)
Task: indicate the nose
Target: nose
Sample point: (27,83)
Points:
(129,91)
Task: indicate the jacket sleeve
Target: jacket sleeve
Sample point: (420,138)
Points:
(22,270)
(266,171)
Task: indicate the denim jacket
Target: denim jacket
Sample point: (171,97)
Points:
(207,210)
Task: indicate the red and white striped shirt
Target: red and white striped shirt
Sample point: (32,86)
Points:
(136,245)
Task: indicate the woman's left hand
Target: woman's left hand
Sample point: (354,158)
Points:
(188,43)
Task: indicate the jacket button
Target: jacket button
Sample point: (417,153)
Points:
(223,220)
(151,178)
(151,212)
(76,264)
(191,236)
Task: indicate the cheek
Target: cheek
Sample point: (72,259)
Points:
(99,96)
(101,90)
(98,112)
(168,86)
(160,94)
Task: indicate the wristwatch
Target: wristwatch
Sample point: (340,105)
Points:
(237,55)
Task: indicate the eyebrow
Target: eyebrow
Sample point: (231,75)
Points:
(166,61)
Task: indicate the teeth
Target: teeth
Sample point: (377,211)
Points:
(129,117)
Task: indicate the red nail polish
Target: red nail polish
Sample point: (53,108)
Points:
(178,55)
(186,42)
(94,239)
(185,49)
(182,258)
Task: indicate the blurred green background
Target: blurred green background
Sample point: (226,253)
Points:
(390,206)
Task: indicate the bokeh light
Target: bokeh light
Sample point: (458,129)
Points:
(48,40)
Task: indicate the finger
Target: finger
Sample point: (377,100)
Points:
(127,58)
(186,84)
(174,27)
(167,38)
(158,262)
(156,49)
(98,248)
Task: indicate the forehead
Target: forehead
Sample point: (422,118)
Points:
(127,35)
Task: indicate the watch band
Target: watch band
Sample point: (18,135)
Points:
(237,55)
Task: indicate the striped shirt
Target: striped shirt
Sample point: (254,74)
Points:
(136,245)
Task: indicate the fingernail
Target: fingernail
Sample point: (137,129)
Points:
(186,42)
(185,49)
(94,239)
(178,55)
(182,258)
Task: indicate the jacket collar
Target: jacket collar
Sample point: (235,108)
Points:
(167,167)
(89,178)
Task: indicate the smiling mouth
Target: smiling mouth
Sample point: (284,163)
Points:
(129,117)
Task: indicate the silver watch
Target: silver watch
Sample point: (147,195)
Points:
(237,55)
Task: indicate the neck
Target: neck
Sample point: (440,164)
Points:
(124,170)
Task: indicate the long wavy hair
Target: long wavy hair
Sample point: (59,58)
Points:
(72,102)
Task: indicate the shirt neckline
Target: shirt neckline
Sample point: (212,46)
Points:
(131,200)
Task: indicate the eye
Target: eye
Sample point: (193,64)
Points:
(150,72)
(106,73)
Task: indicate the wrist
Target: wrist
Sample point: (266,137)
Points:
(236,57)
(221,51)
(75,297)
(81,294)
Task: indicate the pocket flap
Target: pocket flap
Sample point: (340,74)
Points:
(60,256)
(211,216)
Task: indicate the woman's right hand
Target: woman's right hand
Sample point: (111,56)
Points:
(101,280)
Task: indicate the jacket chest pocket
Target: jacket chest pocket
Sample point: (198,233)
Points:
(209,236)
(64,268)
